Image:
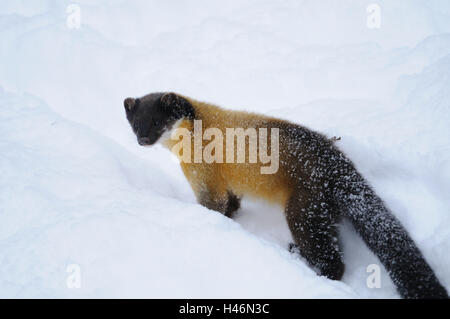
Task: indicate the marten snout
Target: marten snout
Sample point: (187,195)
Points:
(144,141)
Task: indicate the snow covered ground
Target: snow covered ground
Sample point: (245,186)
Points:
(76,189)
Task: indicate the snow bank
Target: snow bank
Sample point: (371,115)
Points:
(77,189)
(70,196)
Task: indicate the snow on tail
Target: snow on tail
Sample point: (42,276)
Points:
(386,237)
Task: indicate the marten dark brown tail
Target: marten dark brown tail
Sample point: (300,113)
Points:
(385,236)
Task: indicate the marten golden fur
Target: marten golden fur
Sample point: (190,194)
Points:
(213,183)
(315,183)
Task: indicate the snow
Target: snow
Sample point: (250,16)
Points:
(76,188)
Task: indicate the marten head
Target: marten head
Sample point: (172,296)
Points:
(152,115)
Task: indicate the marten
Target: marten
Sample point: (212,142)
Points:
(315,183)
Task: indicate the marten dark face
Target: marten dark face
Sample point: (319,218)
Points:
(152,115)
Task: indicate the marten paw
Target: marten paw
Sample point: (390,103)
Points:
(293,248)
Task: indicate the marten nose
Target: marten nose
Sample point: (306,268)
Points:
(143,141)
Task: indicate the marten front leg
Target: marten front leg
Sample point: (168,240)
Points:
(233,204)
(226,203)
(210,188)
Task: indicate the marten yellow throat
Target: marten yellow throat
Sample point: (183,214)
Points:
(315,183)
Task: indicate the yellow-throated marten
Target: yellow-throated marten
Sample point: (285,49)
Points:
(314,181)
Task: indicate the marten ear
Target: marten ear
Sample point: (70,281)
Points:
(172,103)
(129,104)
(170,99)
(177,105)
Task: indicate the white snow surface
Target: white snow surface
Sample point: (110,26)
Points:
(76,188)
